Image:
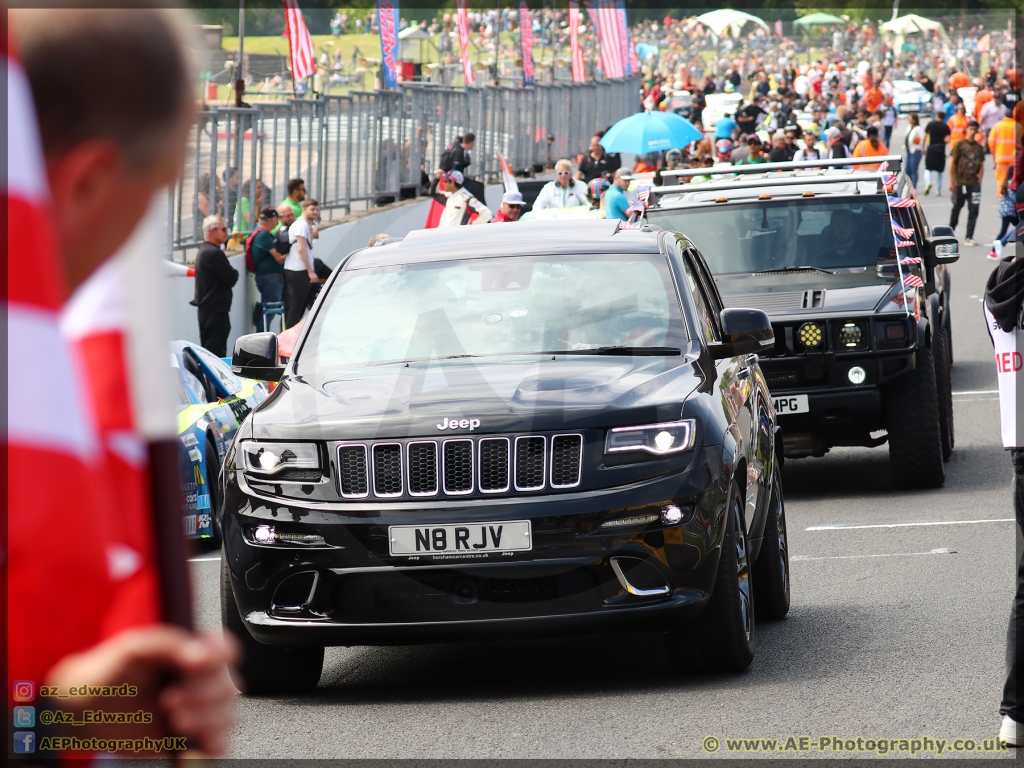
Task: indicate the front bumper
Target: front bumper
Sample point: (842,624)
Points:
(358,594)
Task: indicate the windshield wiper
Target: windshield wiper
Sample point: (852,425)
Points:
(623,351)
(795,269)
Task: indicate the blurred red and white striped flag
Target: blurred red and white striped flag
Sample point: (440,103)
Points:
(605,15)
(300,45)
(579,67)
(462,17)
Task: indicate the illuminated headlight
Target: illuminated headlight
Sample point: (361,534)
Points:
(947,249)
(659,439)
(271,458)
(857,375)
(810,335)
(851,336)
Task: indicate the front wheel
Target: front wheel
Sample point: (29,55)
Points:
(771,571)
(911,407)
(944,389)
(266,669)
(721,639)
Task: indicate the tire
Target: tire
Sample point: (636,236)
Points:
(266,669)
(212,478)
(721,639)
(944,390)
(948,325)
(911,409)
(771,571)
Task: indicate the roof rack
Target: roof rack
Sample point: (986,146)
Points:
(782,181)
(794,165)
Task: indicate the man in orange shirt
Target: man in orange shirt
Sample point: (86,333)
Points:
(871,146)
(957,125)
(959,80)
(873,98)
(1002,143)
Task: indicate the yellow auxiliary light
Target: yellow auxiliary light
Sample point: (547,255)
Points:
(810,335)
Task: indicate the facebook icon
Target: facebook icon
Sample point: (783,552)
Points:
(24,742)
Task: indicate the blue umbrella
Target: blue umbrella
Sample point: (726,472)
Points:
(650,132)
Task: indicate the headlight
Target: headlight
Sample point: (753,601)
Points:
(659,439)
(271,458)
(851,336)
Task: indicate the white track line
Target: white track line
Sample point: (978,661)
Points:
(977,392)
(905,525)
(802,559)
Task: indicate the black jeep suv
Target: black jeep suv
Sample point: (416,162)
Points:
(543,427)
(855,283)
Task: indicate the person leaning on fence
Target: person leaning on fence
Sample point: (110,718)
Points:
(461,207)
(563,192)
(268,261)
(215,277)
(299,272)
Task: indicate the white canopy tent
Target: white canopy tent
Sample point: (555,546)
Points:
(911,23)
(415,45)
(726,19)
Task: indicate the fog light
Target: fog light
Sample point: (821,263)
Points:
(810,335)
(671,515)
(857,375)
(264,534)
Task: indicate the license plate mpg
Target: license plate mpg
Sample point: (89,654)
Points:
(791,404)
(464,539)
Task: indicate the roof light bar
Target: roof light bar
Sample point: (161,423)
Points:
(794,165)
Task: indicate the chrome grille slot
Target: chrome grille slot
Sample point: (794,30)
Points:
(422,463)
(387,469)
(352,471)
(494,456)
(457,469)
(566,456)
(529,463)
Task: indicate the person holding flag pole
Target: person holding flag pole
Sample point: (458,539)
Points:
(97,579)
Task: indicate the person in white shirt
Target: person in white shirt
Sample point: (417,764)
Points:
(913,144)
(461,207)
(300,278)
(810,151)
(563,192)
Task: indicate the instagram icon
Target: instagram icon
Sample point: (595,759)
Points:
(24,690)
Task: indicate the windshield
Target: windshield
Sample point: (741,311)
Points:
(494,306)
(906,86)
(832,234)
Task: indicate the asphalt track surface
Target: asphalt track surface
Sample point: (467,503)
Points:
(897,627)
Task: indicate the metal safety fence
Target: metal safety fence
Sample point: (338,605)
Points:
(375,147)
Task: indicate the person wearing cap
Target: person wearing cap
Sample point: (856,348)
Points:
(615,201)
(837,146)
(755,152)
(460,207)
(563,192)
(268,262)
(511,207)
(780,149)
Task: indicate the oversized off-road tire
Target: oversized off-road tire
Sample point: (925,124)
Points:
(944,390)
(911,409)
(721,639)
(266,669)
(771,571)
(948,325)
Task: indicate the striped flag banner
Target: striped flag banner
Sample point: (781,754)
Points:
(462,17)
(904,244)
(387,20)
(300,45)
(901,202)
(904,232)
(623,28)
(889,179)
(526,42)
(604,15)
(579,66)
(910,262)
(913,281)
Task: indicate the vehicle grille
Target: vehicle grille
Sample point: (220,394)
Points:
(566,453)
(352,471)
(460,466)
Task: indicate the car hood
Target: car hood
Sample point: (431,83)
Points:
(806,292)
(508,394)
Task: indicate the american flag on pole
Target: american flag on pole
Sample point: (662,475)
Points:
(462,17)
(911,262)
(901,202)
(300,45)
(579,67)
(904,244)
(623,27)
(526,42)
(913,281)
(905,232)
(604,14)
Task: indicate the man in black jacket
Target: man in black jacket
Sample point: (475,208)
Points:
(214,279)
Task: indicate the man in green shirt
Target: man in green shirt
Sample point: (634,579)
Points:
(755,155)
(296,194)
(268,262)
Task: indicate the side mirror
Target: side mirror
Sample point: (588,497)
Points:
(942,249)
(744,332)
(255,357)
(942,231)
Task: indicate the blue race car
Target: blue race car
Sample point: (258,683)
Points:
(212,403)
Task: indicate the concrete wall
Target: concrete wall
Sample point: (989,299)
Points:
(336,241)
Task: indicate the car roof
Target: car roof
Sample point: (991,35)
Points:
(521,238)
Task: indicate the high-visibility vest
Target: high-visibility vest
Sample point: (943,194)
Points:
(957,128)
(1002,142)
